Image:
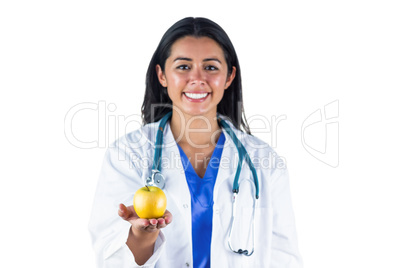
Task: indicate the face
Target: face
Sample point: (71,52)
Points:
(196,75)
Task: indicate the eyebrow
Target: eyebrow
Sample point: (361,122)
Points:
(188,59)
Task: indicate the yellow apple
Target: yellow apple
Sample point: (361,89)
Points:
(150,202)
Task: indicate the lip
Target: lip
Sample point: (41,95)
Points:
(197,92)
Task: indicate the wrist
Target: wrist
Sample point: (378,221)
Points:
(141,243)
(144,237)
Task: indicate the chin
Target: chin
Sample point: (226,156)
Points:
(196,112)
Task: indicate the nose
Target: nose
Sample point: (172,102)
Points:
(197,76)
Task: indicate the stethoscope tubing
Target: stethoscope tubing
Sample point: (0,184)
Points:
(242,155)
(242,152)
(157,178)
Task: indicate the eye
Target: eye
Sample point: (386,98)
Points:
(211,68)
(183,67)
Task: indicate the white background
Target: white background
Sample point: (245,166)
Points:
(296,57)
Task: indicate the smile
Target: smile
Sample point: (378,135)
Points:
(196,96)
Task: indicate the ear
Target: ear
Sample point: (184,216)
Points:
(161,75)
(230,78)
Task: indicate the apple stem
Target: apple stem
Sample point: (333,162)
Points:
(147,187)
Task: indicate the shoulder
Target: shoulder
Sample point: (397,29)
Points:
(251,143)
(261,153)
(139,140)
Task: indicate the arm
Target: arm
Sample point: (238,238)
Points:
(143,232)
(285,251)
(118,181)
(141,244)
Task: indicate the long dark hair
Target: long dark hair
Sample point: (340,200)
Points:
(156,100)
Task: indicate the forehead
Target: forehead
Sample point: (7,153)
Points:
(194,47)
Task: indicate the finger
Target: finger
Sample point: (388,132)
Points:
(131,210)
(140,223)
(151,228)
(128,214)
(123,212)
(168,217)
(161,223)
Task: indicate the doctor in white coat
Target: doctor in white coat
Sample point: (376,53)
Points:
(195,74)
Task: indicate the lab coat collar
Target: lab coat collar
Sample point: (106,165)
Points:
(171,162)
(172,168)
(176,184)
(149,133)
(229,151)
(228,163)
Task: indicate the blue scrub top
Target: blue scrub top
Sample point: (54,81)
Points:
(201,190)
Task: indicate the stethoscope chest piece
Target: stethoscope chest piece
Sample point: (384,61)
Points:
(156,179)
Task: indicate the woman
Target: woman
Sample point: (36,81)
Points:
(194,74)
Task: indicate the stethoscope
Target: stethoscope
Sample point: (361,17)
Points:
(157,179)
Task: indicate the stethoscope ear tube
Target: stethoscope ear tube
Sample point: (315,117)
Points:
(157,178)
(231,226)
(156,166)
(242,154)
(159,141)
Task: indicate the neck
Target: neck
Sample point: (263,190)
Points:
(196,131)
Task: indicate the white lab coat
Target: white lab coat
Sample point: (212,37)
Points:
(128,163)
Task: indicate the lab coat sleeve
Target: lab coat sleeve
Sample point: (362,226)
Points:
(285,253)
(119,179)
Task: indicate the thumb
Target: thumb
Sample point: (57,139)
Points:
(123,211)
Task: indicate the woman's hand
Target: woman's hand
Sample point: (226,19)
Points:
(146,225)
(143,232)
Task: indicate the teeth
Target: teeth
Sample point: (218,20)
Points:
(196,96)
